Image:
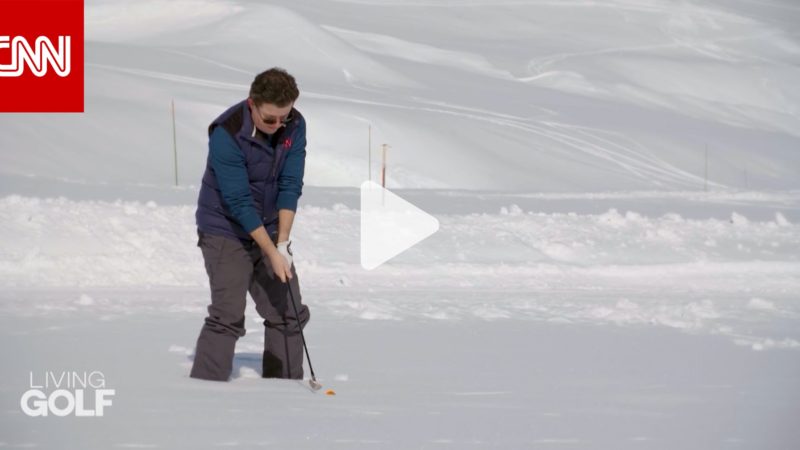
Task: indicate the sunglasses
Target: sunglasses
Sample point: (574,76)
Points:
(272,120)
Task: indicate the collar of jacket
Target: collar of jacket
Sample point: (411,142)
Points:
(250,132)
(254,134)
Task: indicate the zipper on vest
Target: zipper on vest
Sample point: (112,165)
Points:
(276,158)
(277,150)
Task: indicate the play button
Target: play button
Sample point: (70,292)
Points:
(389,225)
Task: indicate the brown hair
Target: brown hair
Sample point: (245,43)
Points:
(274,86)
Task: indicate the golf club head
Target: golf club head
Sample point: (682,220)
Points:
(315,385)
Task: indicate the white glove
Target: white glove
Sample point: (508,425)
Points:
(286,251)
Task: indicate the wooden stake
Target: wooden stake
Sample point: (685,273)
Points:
(369,153)
(174,142)
(383,166)
(705,172)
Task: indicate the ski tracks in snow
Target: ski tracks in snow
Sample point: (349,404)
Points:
(602,149)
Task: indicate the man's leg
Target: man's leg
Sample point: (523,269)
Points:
(229,271)
(283,346)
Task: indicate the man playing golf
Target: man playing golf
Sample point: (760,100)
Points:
(248,198)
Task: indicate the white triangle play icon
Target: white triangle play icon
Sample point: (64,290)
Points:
(389,225)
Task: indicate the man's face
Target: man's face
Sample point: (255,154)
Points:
(268,117)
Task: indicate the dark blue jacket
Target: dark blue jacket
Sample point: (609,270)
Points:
(248,176)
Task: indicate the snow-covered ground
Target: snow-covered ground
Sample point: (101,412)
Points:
(584,290)
(513,328)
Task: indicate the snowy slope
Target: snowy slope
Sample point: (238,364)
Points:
(546,96)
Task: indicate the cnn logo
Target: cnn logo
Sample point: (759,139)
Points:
(41,56)
(36,58)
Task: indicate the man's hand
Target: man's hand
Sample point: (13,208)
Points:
(280,266)
(276,260)
(285,250)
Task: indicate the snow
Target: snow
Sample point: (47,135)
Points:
(575,310)
(587,288)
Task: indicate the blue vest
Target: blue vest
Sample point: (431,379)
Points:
(264,162)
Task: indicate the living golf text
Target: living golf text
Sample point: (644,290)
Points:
(64,393)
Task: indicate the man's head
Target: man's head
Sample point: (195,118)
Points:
(272,96)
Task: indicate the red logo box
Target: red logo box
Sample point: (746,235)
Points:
(41,55)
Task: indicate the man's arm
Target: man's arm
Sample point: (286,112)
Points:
(230,171)
(290,183)
(285,221)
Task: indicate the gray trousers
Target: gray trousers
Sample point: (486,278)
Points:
(234,269)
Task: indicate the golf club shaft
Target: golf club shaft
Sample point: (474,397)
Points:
(302,337)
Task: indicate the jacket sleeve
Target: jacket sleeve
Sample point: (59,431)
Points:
(228,164)
(290,180)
